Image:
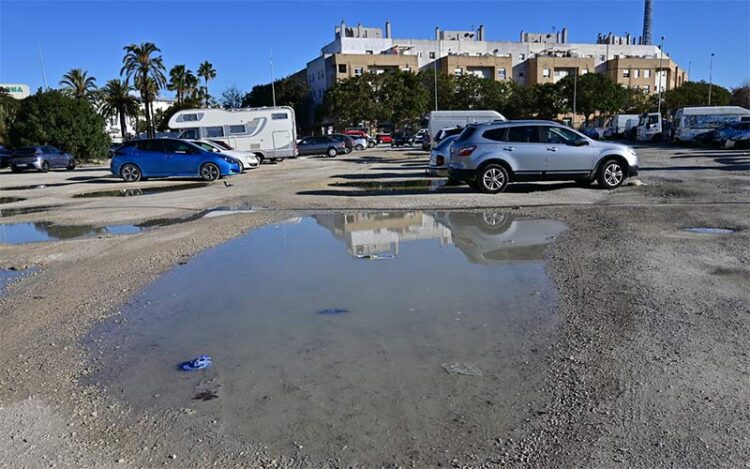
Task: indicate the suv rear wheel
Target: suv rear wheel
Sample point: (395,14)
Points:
(611,174)
(492,179)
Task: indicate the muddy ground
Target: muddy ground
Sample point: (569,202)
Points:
(650,368)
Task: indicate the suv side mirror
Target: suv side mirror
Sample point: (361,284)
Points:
(580,142)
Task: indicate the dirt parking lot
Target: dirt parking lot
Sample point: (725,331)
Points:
(648,367)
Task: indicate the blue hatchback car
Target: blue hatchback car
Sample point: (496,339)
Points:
(167,157)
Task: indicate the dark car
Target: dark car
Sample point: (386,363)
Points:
(4,157)
(400,139)
(41,158)
(323,145)
(168,157)
(348,141)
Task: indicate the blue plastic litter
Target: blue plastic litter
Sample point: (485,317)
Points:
(204,361)
(333,311)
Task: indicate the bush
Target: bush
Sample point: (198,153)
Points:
(51,118)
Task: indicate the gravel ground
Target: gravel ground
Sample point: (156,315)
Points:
(650,368)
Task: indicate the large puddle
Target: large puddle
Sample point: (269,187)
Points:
(34,232)
(365,338)
(136,191)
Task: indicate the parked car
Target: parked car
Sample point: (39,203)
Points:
(354,133)
(447,132)
(248,159)
(440,157)
(42,158)
(741,140)
(490,156)
(348,141)
(729,132)
(168,157)
(400,139)
(323,145)
(591,132)
(383,138)
(4,156)
(360,142)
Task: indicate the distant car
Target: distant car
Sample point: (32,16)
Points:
(443,133)
(741,140)
(347,139)
(361,133)
(42,158)
(591,132)
(248,159)
(490,156)
(383,138)
(400,139)
(360,143)
(440,157)
(323,145)
(4,157)
(729,132)
(169,157)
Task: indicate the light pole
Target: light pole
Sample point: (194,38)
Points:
(273,85)
(710,77)
(690,64)
(575,91)
(661,58)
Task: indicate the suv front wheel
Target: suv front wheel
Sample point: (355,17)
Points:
(611,174)
(492,179)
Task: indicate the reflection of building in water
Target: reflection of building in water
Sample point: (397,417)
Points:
(372,234)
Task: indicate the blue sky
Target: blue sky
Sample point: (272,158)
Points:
(238,36)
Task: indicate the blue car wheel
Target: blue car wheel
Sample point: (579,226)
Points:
(210,172)
(130,172)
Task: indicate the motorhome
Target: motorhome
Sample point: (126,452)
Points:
(619,125)
(689,122)
(269,132)
(438,120)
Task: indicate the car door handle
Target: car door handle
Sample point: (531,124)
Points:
(509,148)
(551,148)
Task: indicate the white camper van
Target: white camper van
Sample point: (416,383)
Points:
(444,119)
(619,125)
(689,122)
(269,132)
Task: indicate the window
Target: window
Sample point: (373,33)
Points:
(368,52)
(523,134)
(458,71)
(279,116)
(176,146)
(601,57)
(636,73)
(342,68)
(520,74)
(646,88)
(646,73)
(212,132)
(151,145)
(190,134)
(495,134)
(559,135)
(357,71)
(521,56)
(236,129)
(501,73)
(189,117)
(432,55)
(626,73)
(545,73)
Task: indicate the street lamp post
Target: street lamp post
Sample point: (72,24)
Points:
(273,85)
(690,64)
(710,77)
(659,81)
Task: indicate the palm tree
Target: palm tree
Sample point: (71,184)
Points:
(207,72)
(141,64)
(78,84)
(181,81)
(117,100)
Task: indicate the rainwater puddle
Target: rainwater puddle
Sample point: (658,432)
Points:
(34,232)
(318,350)
(134,192)
(710,230)
(10,212)
(7,200)
(8,276)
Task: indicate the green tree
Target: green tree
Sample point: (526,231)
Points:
(143,64)
(446,89)
(117,100)
(231,98)
(400,97)
(592,92)
(740,96)
(78,84)
(695,93)
(182,82)
(8,109)
(547,100)
(207,72)
(54,118)
(352,101)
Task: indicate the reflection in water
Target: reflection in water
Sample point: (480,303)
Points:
(484,237)
(20,233)
(322,357)
(138,191)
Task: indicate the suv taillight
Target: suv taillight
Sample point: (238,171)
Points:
(466,151)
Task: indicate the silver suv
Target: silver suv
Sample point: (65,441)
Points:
(490,156)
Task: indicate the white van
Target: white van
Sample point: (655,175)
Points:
(444,119)
(269,132)
(649,127)
(619,125)
(689,122)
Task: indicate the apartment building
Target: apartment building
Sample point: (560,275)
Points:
(534,58)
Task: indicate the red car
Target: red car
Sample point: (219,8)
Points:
(384,138)
(359,133)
